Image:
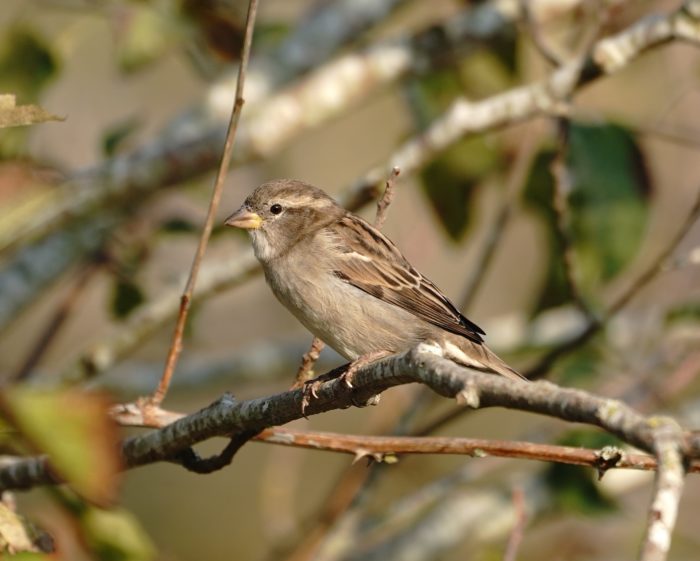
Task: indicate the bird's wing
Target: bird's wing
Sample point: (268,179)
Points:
(369,261)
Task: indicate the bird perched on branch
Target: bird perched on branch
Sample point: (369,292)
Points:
(349,285)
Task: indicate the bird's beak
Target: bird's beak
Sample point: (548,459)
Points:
(245,219)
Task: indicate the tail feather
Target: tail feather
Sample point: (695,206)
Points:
(500,367)
(478,357)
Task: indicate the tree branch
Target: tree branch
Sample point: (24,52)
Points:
(668,489)
(227,417)
(379,448)
(543,97)
(535,32)
(190,145)
(594,325)
(516,535)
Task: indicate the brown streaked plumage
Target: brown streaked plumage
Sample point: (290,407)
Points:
(348,283)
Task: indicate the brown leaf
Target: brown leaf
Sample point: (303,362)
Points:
(13,115)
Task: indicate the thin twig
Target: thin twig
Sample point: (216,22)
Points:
(343,496)
(176,346)
(516,535)
(385,448)
(536,37)
(56,322)
(514,184)
(675,382)
(563,181)
(562,224)
(191,461)
(657,266)
(668,490)
(310,58)
(518,175)
(386,199)
(674,135)
(545,363)
(351,493)
(308,360)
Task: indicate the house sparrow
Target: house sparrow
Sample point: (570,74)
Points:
(348,284)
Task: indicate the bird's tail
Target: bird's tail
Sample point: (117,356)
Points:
(479,357)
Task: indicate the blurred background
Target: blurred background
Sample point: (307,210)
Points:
(101,214)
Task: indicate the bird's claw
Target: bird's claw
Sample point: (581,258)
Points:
(359,363)
(309,392)
(310,387)
(347,377)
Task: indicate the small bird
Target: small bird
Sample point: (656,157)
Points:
(348,284)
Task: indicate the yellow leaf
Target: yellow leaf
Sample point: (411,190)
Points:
(13,115)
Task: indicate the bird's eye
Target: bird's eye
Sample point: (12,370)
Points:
(276,208)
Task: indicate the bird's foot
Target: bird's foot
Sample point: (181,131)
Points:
(349,374)
(359,363)
(310,387)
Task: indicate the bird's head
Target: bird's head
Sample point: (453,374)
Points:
(279,214)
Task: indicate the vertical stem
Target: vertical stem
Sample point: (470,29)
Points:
(186,298)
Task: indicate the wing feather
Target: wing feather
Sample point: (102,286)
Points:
(371,262)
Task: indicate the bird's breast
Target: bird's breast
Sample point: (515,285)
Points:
(351,321)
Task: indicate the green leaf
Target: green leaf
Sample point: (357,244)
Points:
(574,488)
(116,137)
(74,430)
(609,201)
(450,181)
(431,93)
(450,195)
(484,73)
(221,229)
(687,312)
(608,207)
(538,195)
(145,35)
(581,365)
(116,535)
(479,74)
(178,225)
(28,556)
(27,63)
(126,297)
(505,47)
(269,34)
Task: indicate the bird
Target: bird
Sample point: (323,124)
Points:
(349,284)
